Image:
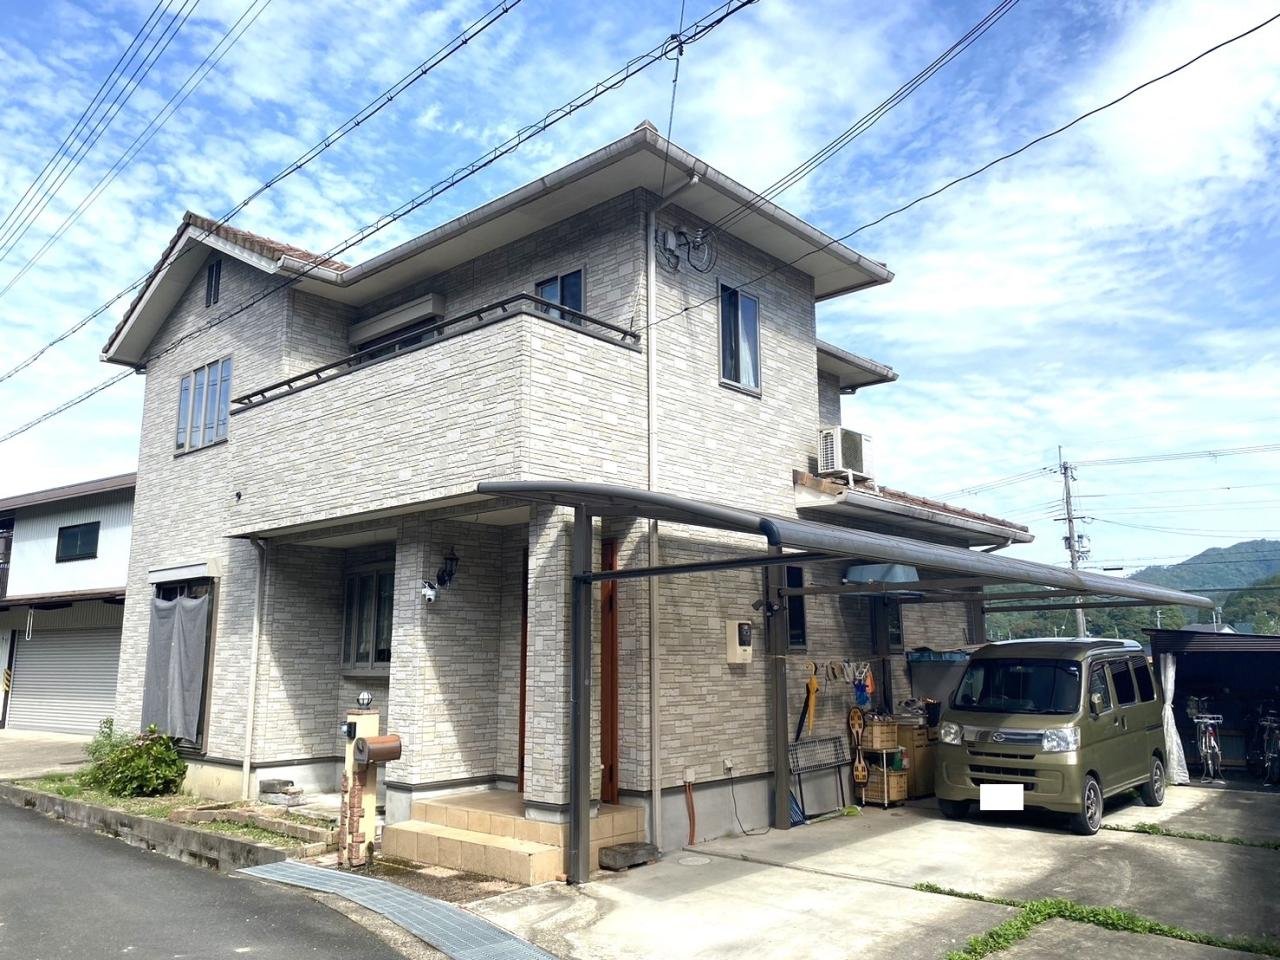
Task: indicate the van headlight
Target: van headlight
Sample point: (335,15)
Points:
(1061,740)
(950,732)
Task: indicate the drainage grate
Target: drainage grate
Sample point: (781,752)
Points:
(455,932)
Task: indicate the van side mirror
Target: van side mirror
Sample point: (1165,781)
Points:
(1095,703)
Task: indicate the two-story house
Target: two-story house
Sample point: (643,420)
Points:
(308,523)
(64,557)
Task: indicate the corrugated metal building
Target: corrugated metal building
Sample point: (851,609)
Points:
(64,557)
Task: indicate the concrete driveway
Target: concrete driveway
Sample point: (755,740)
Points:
(843,887)
(26,754)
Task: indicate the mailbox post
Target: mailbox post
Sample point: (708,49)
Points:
(358,818)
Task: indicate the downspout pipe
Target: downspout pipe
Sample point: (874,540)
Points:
(259,607)
(651,363)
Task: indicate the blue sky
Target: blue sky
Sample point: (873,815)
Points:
(1112,291)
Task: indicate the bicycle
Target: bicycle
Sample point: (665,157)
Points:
(1269,727)
(1209,746)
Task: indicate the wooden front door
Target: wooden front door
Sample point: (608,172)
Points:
(609,675)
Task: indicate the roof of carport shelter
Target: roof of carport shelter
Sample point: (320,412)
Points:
(833,542)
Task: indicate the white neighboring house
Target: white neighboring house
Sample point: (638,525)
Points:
(64,560)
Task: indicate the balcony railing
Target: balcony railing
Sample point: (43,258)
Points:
(422,337)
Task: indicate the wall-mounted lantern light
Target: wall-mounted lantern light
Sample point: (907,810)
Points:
(445,575)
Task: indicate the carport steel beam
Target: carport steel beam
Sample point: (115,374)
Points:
(589,500)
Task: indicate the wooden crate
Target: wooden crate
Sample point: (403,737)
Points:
(878,735)
(912,735)
(876,784)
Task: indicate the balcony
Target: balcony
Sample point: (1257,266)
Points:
(525,304)
(520,388)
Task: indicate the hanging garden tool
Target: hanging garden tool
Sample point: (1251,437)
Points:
(811,693)
(810,700)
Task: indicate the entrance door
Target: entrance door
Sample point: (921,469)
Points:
(609,675)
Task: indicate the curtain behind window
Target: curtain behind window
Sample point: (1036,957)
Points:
(175,666)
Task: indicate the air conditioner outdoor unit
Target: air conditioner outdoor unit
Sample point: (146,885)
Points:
(844,452)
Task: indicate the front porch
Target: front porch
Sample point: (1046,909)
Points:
(487,832)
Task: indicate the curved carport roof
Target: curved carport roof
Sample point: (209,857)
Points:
(833,542)
(810,541)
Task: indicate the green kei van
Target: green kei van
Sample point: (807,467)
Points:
(1072,721)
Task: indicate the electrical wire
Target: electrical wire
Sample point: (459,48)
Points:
(631,68)
(869,120)
(369,110)
(759,831)
(1187,455)
(675,85)
(74,401)
(18,229)
(107,82)
(144,136)
(1188,531)
(996,484)
(974,173)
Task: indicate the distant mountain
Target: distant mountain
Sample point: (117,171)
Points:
(1238,565)
(1256,609)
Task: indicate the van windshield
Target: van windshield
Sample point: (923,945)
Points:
(1010,685)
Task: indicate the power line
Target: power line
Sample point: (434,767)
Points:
(19,228)
(1190,531)
(74,401)
(671,114)
(865,123)
(144,137)
(368,111)
(107,82)
(1187,455)
(975,173)
(996,484)
(631,68)
(1146,493)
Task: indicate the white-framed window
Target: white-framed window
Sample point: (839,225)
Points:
(366,619)
(739,338)
(204,400)
(564,289)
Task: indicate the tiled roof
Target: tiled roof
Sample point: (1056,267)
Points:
(264,246)
(917,501)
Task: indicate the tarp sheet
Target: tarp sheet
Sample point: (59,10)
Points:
(175,666)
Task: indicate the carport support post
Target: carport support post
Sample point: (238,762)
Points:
(776,644)
(580,702)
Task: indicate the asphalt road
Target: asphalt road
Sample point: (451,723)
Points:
(69,894)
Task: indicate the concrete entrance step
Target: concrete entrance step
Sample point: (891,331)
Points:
(491,855)
(501,813)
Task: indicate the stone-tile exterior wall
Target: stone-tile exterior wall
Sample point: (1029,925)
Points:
(605,242)
(445,655)
(183,504)
(296,711)
(317,331)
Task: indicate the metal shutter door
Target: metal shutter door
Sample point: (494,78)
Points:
(64,681)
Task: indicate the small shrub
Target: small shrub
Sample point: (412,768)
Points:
(106,741)
(147,765)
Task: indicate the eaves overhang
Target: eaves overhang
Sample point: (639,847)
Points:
(643,159)
(852,505)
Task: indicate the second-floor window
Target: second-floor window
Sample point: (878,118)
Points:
(77,542)
(212,283)
(739,338)
(204,400)
(366,620)
(565,289)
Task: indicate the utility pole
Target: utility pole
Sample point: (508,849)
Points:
(1072,544)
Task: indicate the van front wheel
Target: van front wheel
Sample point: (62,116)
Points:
(1089,819)
(954,809)
(1153,789)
